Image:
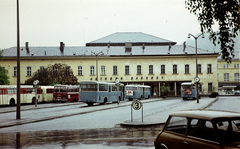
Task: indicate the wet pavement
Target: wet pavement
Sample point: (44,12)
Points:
(128,134)
(141,137)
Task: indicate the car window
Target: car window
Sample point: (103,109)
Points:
(228,131)
(177,125)
(202,129)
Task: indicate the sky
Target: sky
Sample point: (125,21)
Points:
(77,22)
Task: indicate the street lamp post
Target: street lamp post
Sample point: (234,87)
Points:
(196,78)
(97,54)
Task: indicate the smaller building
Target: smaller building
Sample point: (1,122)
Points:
(229,75)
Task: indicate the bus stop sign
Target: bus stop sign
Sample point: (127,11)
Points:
(136,105)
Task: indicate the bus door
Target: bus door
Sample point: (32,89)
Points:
(109,91)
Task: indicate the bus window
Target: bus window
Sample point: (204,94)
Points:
(103,87)
(114,88)
(92,87)
(49,90)
(83,87)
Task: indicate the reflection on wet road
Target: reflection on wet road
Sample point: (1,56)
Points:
(102,138)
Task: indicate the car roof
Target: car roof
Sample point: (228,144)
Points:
(207,114)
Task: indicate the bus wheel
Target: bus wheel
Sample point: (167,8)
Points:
(33,100)
(105,101)
(12,102)
(75,99)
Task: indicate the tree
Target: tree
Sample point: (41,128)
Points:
(222,12)
(3,73)
(57,73)
(4,77)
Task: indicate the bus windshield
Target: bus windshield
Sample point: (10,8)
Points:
(88,87)
(129,88)
(188,86)
(60,89)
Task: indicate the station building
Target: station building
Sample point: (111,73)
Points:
(132,57)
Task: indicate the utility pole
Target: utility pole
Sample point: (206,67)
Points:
(197,79)
(97,54)
(18,115)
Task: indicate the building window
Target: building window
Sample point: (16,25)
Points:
(67,70)
(103,70)
(236,76)
(210,87)
(29,71)
(150,69)
(218,76)
(80,70)
(186,69)
(226,76)
(139,69)
(92,70)
(199,68)
(127,70)
(225,66)
(174,69)
(115,72)
(236,65)
(41,67)
(162,69)
(209,68)
(14,71)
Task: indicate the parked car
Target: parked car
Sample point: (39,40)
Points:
(236,92)
(200,129)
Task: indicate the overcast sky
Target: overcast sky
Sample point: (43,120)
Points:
(76,22)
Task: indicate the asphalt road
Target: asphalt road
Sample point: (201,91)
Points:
(74,125)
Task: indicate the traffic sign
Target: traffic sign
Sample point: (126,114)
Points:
(136,105)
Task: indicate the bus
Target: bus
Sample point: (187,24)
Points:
(137,92)
(8,94)
(188,90)
(47,93)
(91,92)
(66,93)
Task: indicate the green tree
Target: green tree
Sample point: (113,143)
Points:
(54,74)
(4,78)
(221,12)
(3,73)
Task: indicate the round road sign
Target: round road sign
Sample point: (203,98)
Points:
(136,105)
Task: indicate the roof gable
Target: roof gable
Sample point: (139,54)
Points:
(129,37)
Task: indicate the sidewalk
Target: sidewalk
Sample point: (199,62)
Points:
(159,118)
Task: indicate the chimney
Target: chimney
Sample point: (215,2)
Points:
(27,48)
(143,47)
(169,47)
(184,46)
(62,45)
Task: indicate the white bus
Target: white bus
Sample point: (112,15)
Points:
(47,93)
(8,94)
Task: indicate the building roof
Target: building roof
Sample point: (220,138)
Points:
(130,37)
(141,44)
(111,51)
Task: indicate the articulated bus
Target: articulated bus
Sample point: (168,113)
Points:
(8,94)
(47,93)
(137,92)
(188,91)
(92,92)
(66,93)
